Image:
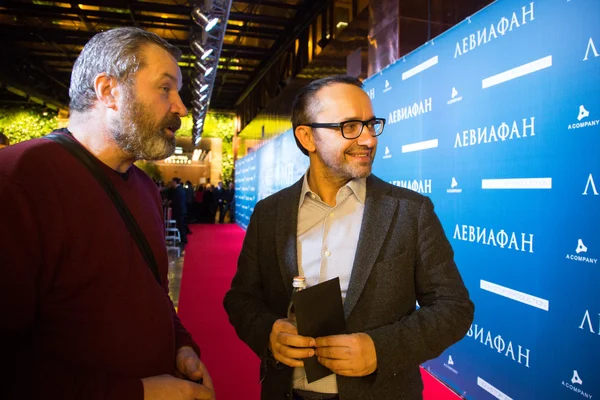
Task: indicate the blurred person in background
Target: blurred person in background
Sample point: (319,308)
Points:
(220,195)
(209,204)
(229,203)
(179,209)
(189,202)
(197,207)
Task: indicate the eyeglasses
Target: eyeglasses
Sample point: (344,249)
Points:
(353,128)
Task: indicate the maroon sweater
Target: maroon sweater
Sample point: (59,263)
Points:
(81,315)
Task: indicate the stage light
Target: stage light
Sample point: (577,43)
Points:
(204,96)
(207,53)
(199,114)
(201,19)
(198,105)
(203,88)
(202,68)
(201,51)
(197,84)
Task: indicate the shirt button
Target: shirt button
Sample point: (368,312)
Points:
(330,215)
(327,253)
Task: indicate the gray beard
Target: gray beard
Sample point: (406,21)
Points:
(139,136)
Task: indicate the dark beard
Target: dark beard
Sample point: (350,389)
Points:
(137,134)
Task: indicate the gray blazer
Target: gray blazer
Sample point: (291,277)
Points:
(403,256)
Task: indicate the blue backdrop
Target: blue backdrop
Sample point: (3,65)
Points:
(277,164)
(498,121)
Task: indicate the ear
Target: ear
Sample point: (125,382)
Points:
(107,90)
(305,137)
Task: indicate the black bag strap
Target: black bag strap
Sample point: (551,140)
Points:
(91,164)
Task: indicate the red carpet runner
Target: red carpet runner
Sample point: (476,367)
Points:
(210,262)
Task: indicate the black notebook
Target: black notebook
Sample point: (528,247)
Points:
(319,312)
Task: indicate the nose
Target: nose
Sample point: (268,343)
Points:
(177,107)
(366,139)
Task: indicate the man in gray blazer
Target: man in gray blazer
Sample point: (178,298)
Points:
(385,244)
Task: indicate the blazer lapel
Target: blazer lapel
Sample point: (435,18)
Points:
(378,214)
(286,227)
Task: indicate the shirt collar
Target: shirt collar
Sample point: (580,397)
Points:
(358,187)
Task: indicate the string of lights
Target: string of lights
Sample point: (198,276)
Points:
(206,41)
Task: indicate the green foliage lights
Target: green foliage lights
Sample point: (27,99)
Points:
(222,126)
(23,123)
(216,125)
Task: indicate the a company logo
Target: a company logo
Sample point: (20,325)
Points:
(455,97)
(576,380)
(590,185)
(422,107)
(388,153)
(499,344)
(586,323)
(388,87)
(583,115)
(420,186)
(592,47)
(454,187)
(488,237)
(581,248)
(449,365)
(502,132)
(473,41)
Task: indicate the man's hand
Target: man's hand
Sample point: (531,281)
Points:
(348,355)
(167,387)
(287,347)
(190,367)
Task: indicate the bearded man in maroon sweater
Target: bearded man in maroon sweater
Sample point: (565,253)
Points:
(83,316)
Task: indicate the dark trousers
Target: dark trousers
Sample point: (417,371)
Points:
(222,207)
(223,210)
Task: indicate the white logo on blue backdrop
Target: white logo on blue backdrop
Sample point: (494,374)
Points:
(455,97)
(590,184)
(388,153)
(454,187)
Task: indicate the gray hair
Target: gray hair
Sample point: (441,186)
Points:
(304,106)
(117,53)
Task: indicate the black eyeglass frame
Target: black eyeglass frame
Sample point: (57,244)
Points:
(340,126)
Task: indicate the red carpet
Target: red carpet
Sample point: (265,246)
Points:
(435,390)
(210,262)
(209,265)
